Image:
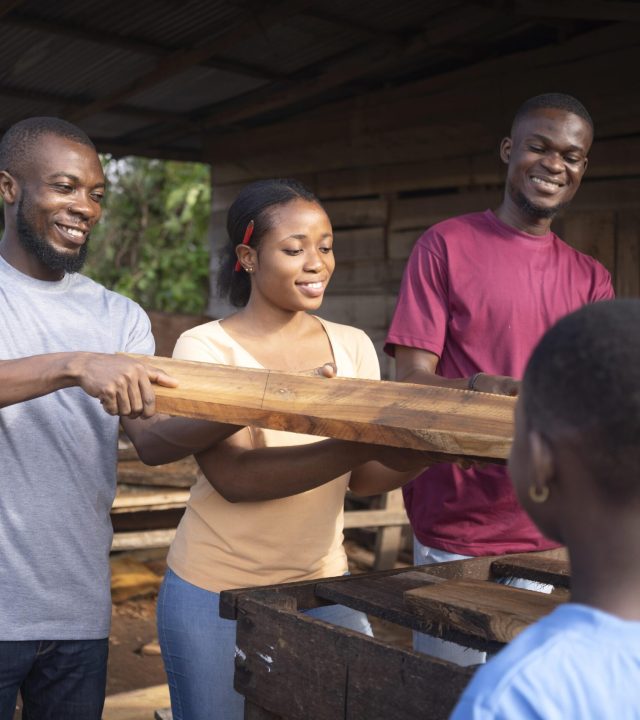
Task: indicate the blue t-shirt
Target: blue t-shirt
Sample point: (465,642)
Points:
(577,663)
(58,461)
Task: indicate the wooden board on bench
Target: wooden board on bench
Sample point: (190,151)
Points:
(474,607)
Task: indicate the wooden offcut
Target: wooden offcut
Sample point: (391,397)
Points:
(487,610)
(447,423)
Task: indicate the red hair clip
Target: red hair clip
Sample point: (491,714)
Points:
(245,241)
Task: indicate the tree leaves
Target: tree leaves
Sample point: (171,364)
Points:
(152,242)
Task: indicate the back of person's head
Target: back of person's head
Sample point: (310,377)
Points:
(255,202)
(19,140)
(552,101)
(582,385)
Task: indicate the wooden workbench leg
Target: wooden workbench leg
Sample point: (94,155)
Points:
(255,712)
(388,538)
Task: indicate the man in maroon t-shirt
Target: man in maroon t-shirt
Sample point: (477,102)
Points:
(478,293)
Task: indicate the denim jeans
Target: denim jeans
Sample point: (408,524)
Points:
(198,649)
(444,649)
(56,678)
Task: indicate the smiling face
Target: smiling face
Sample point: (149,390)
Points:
(294,262)
(57,202)
(546,157)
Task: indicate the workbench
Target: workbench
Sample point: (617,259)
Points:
(293,667)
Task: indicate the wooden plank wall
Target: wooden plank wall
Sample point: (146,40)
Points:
(390,164)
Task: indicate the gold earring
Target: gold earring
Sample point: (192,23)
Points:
(539,495)
(249,269)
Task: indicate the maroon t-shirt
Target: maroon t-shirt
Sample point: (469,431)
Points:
(480,294)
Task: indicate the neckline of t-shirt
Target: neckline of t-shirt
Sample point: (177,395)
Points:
(259,365)
(509,232)
(46,286)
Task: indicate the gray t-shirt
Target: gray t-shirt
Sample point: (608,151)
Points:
(58,461)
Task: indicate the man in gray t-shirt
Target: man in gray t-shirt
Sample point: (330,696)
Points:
(62,394)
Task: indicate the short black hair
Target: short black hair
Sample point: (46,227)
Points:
(18,140)
(254,202)
(552,101)
(584,377)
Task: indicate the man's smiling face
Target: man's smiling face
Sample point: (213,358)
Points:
(547,157)
(62,186)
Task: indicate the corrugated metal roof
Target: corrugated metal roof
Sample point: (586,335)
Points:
(149,76)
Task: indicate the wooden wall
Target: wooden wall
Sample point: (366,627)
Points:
(389,164)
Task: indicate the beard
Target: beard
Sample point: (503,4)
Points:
(534,211)
(43,250)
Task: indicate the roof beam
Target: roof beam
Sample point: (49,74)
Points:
(76,31)
(79,102)
(359,123)
(349,66)
(118,150)
(605,10)
(179,61)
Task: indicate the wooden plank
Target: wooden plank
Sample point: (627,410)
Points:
(359,244)
(383,597)
(529,566)
(599,198)
(388,538)
(421,212)
(143,540)
(392,518)
(356,213)
(303,592)
(592,233)
(367,274)
(627,275)
(180,474)
(486,610)
(129,501)
(325,672)
(448,423)
(470,170)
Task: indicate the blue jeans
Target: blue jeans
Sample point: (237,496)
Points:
(56,678)
(198,649)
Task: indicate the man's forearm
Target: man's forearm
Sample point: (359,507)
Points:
(31,377)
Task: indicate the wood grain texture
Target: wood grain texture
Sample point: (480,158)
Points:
(486,610)
(299,668)
(448,423)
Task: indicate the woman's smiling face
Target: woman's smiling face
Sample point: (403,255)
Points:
(294,261)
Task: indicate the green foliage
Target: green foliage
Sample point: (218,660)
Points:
(152,243)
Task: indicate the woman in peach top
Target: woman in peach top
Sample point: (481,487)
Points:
(268,505)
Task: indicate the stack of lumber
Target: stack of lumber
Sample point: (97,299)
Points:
(149,501)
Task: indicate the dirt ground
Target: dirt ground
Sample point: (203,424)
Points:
(133,627)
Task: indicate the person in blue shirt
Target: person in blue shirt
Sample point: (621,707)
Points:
(575,465)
